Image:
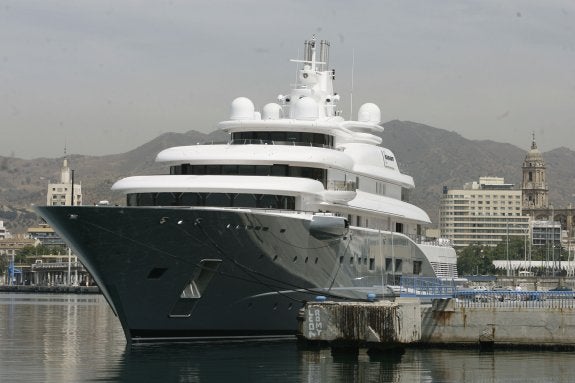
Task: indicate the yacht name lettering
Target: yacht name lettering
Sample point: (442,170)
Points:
(315,326)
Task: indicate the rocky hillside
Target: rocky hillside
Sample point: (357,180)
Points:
(432,156)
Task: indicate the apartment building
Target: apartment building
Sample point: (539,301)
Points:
(482,213)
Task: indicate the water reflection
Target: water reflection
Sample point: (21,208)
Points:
(77,338)
(256,362)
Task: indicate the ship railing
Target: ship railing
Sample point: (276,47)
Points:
(432,241)
(251,141)
(341,185)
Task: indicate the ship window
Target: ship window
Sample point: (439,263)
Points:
(398,265)
(145,199)
(213,169)
(132,199)
(246,170)
(278,136)
(283,137)
(217,199)
(372,263)
(293,137)
(229,169)
(190,199)
(245,200)
(279,170)
(197,169)
(417,267)
(268,201)
(388,264)
(156,272)
(262,170)
(164,199)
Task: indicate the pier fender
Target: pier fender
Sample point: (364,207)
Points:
(325,227)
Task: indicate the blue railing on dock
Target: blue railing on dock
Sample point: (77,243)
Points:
(510,298)
(427,288)
(434,288)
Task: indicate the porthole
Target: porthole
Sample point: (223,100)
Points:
(275,257)
(294,259)
(306,259)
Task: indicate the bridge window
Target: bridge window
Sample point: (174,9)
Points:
(282,138)
(266,201)
(253,170)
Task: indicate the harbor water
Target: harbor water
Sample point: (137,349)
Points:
(77,338)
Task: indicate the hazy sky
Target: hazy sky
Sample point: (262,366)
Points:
(104,77)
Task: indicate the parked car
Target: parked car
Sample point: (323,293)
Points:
(561,288)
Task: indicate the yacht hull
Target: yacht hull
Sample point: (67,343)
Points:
(184,273)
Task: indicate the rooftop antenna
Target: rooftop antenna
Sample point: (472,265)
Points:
(310,55)
(351,92)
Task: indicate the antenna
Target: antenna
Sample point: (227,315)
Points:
(351,92)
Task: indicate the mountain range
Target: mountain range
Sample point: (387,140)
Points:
(433,157)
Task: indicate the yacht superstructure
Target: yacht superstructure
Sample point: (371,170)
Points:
(232,242)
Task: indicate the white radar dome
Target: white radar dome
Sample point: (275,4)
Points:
(305,108)
(242,109)
(271,111)
(369,113)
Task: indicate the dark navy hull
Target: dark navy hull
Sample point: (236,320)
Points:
(180,273)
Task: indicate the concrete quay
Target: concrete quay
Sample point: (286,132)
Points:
(378,325)
(516,321)
(49,289)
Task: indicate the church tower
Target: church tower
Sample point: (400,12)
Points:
(534,185)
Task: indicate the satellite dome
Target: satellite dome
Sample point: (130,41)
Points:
(305,108)
(369,113)
(242,109)
(271,111)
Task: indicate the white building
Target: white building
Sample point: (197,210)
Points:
(61,193)
(482,213)
(3,232)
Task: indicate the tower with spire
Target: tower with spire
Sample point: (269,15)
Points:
(534,185)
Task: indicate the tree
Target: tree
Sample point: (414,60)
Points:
(475,259)
(514,249)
